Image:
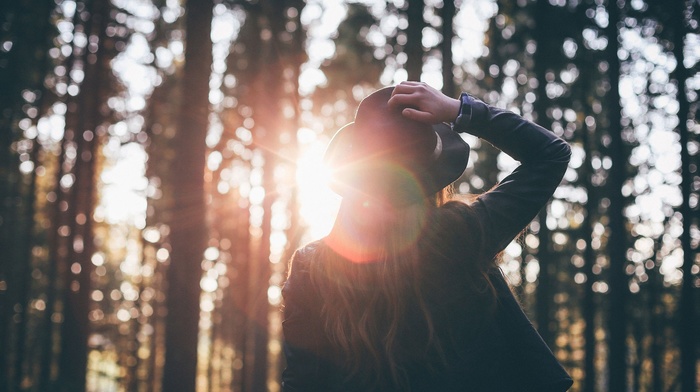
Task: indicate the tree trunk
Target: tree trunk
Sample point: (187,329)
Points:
(56,259)
(295,230)
(588,138)
(655,289)
(414,38)
(25,67)
(687,308)
(266,133)
(8,178)
(57,244)
(545,292)
(188,228)
(260,278)
(239,278)
(24,264)
(588,304)
(76,300)
(617,242)
(447,13)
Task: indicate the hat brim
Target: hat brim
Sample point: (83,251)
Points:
(451,163)
(431,176)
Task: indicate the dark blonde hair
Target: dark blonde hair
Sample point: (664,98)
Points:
(426,250)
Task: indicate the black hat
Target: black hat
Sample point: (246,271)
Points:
(384,155)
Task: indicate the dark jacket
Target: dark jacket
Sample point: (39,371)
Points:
(504,353)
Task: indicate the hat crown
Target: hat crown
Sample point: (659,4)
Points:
(384,155)
(382,131)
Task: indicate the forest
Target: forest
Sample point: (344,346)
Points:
(161,160)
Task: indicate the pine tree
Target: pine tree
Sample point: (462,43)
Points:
(188,228)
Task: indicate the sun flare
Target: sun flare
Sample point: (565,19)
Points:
(318,204)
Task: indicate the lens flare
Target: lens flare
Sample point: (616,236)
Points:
(364,229)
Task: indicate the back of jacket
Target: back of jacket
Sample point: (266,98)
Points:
(496,351)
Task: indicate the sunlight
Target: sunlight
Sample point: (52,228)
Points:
(122,197)
(267,191)
(318,205)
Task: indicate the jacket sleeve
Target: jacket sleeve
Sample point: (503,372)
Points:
(302,330)
(509,207)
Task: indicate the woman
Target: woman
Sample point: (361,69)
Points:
(404,294)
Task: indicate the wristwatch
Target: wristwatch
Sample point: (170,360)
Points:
(465,111)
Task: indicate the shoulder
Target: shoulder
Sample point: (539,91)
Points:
(459,216)
(302,257)
(298,276)
(456,231)
(461,205)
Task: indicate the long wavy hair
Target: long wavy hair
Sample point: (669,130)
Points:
(391,286)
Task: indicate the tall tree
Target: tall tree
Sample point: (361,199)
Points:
(546,35)
(28,30)
(162,116)
(59,214)
(259,119)
(414,39)
(244,65)
(87,128)
(447,13)
(617,242)
(687,309)
(588,302)
(586,93)
(188,227)
(267,111)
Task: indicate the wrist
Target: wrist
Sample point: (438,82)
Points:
(453,110)
(465,113)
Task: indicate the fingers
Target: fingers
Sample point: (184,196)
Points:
(416,100)
(408,94)
(409,87)
(403,100)
(416,115)
(413,83)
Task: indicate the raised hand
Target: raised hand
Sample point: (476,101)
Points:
(420,102)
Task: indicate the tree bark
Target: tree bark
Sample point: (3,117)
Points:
(188,228)
(76,293)
(545,292)
(687,307)
(29,29)
(588,137)
(266,133)
(414,38)
(447,13)
(657,319)
(589,306)
(617,241)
